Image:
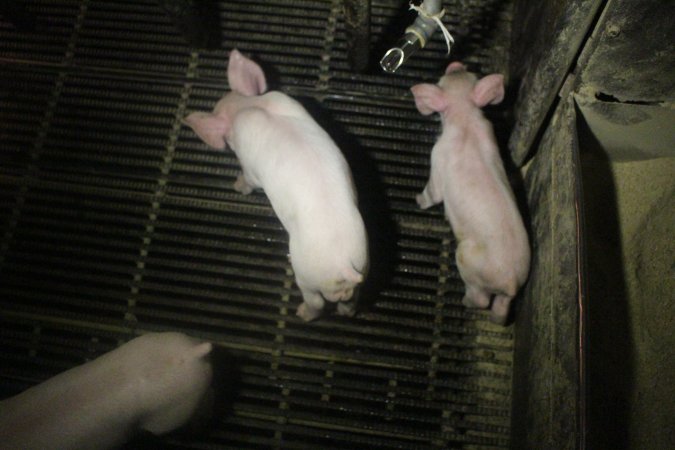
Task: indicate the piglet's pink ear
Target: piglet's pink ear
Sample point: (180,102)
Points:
(489,89)
(209,127)
(429,98)
(245,76)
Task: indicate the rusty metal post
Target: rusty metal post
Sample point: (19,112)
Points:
(357,27)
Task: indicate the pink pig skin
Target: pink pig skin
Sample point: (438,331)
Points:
(282,150)
(467,175)
(155,382)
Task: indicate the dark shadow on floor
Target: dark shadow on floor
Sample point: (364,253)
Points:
(372,201)
(197,21)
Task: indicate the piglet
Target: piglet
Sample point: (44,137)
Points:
(467,174)
(155,382)
(282,150)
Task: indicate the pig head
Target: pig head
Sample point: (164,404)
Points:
(283,151)
(155,382)
(468,176)
(246,79)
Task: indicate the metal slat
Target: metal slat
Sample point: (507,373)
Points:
(55,23)
(116,220)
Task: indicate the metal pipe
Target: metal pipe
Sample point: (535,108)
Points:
(416,37)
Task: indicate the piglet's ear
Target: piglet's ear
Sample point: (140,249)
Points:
(429,98)
(209,127)
(245,76)
(489,89)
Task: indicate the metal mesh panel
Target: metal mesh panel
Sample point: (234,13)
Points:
(117,220)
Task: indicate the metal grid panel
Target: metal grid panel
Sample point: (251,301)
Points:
(117,220)
(54,23)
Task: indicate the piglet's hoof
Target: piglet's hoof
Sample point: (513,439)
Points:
(422,201)
(242,186)
(347,309)
(307,313)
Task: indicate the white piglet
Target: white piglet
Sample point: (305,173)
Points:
(282,150)
(467,175)
(156,382)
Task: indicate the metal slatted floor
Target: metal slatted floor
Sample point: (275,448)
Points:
(116,220)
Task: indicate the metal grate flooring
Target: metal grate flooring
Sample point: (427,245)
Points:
(116,220)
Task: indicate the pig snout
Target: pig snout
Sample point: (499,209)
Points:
(155,382)
(173,398)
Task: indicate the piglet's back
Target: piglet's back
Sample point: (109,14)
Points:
(293,158)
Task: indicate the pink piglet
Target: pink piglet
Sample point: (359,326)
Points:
(283,151)
(468,176)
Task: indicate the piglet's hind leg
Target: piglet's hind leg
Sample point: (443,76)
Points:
(476,298)
(346,308)
(500,309)
(307,313)
(429,196)
(242,185)
(312,306)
